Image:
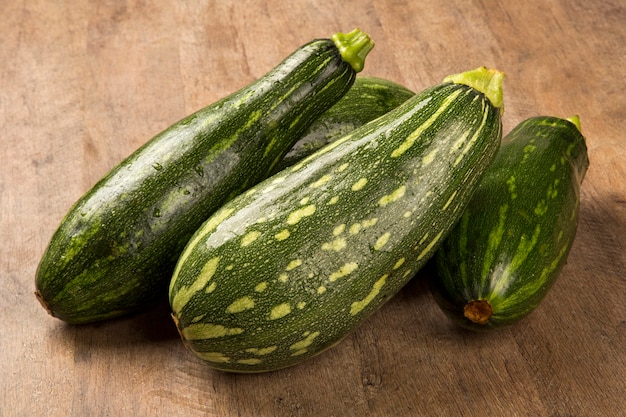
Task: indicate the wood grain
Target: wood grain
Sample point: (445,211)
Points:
(83,84)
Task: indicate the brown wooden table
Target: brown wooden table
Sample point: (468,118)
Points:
(83,84)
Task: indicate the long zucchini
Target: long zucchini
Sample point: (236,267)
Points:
(511,243)
(290,267)
(115,250)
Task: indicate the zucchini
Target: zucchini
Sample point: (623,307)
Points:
(290,267)
(511,243)
(367,99)
(116,249)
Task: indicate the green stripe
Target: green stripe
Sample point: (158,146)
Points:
(416,134)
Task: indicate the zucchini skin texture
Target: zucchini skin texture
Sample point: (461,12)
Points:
(367,99)
(514,238)
(116,249)
(292,266)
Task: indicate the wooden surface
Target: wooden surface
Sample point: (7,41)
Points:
(83,84)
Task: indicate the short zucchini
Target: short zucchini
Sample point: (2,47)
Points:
(511,243)
(116,249)
(293,265)
(367,99)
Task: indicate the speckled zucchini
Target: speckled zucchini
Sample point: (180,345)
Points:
(367,99)
(116,249)
(513,240)
(289,268)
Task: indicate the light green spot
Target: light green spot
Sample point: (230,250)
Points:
(530,148)
(198,318)
(339,229)
(359,184)
(336,245)
(369,223)
(304,343)
(261,286)
(211,287)
(541,208)
(215,357)
(407,214)
(346,269)
(512,187)
(269,188)
(429,158)
(456,146)
(321,290)
(262,351)
(297,215)
(201,331)
(553,190)
(415,135)
(299,352)
(382,241)
(304,201)
(343,167)
(184,294)
(394,196)
(422,240)
(430,246)
(280,311)
(333,200)
(207,228)
(283,277)
(293,264)
(355,228)
(321,181)
(301,305)
(241,304)
(398,264)
(250,237)
(358,306)
(282,235)
(250,361)
(450,200)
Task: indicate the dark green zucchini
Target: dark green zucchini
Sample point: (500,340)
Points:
(367,99)
(514,238)
(290,267)
(115,250)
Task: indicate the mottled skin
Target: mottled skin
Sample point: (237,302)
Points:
(116,249)
(290,267)
(511,243)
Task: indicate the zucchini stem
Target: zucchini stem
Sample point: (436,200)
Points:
(478,311)
(487,81)
(353,47)
(575,120)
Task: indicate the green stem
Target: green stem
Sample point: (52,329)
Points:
(487,81)
(353,47)
(575,120)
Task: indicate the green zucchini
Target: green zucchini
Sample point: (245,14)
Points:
(511,243)
(116,249)
(290,267)
(367,99)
